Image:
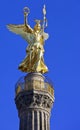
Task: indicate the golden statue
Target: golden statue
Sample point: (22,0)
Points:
(34,61)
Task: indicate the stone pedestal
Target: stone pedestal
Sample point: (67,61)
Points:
(34,99)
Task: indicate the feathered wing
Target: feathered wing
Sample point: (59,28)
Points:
(23,31)
(45,35)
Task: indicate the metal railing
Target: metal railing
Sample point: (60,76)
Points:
(34,85)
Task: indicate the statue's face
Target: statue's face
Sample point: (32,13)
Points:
(37,27)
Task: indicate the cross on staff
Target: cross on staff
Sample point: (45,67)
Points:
(45,23)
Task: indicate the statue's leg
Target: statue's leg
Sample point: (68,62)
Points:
(38,62)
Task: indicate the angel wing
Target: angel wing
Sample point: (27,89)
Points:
(25,32)
(45,35)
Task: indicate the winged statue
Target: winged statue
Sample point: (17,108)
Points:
(35,37)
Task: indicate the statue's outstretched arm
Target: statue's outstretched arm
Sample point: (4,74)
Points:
(23,30)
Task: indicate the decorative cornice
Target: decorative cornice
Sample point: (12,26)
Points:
(33,100)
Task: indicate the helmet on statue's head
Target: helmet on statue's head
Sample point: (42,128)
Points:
(37,27)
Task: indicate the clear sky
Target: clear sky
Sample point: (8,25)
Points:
(62,56)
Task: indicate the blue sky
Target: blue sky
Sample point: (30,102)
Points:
(62,56)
